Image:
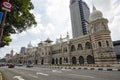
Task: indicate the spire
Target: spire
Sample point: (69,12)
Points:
(29,45)
(94,8)
(60,38)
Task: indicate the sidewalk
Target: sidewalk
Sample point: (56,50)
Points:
(0,76)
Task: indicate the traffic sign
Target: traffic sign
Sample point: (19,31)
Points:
(6,5)
(1,15)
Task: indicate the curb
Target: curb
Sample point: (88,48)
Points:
(85,68)
(0,76)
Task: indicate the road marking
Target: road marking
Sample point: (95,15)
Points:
(22,72)
(33,76)
(18,77)
(114,69)
(82,75)
(42,74)
(66,69)
(105,69)
(56,71)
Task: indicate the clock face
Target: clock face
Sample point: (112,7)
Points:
(73,1)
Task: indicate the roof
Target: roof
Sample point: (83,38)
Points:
(48,40)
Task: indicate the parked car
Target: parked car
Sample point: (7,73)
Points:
(11,66)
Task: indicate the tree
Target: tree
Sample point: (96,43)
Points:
(3,60)
(18,20)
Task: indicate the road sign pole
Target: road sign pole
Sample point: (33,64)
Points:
(2,26)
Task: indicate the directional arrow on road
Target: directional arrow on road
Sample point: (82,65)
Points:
(18,77)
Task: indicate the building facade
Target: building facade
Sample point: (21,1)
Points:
(117,49)
(79,16)
(95,48)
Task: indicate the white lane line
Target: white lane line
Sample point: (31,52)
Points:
(18,77)
(66,69)
(82,75)
(56,71)
(33,76)
(42,73)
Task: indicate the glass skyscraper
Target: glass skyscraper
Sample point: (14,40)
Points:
(79,17)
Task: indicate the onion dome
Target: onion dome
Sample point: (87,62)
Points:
(96,14)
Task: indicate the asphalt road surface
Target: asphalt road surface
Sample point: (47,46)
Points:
(37,73)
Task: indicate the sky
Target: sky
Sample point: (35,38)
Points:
(53,20)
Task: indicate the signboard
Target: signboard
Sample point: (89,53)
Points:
(6,5)
(1,15)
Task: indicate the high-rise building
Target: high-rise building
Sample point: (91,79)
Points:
(23,50)
(79,16)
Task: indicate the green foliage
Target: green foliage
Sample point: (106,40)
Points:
(3,60)
(18,20)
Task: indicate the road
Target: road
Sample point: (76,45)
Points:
(37,73)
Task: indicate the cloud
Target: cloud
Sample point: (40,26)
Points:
(35,42)
(115,28)
(49,29)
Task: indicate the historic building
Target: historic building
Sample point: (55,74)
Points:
(96,47)
(93,48)
(79,15)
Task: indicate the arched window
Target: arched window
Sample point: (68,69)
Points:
(66,60)
(60,60)
(80,47)
(49,53)
(104,26)
(73,48)
(81,60)
(88,45)
(65,49)
(74,61)
(53,61)
(56,61)
(99,44)
(90,59)
(42,61)
(107,43)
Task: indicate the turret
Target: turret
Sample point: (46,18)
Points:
(101,39)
